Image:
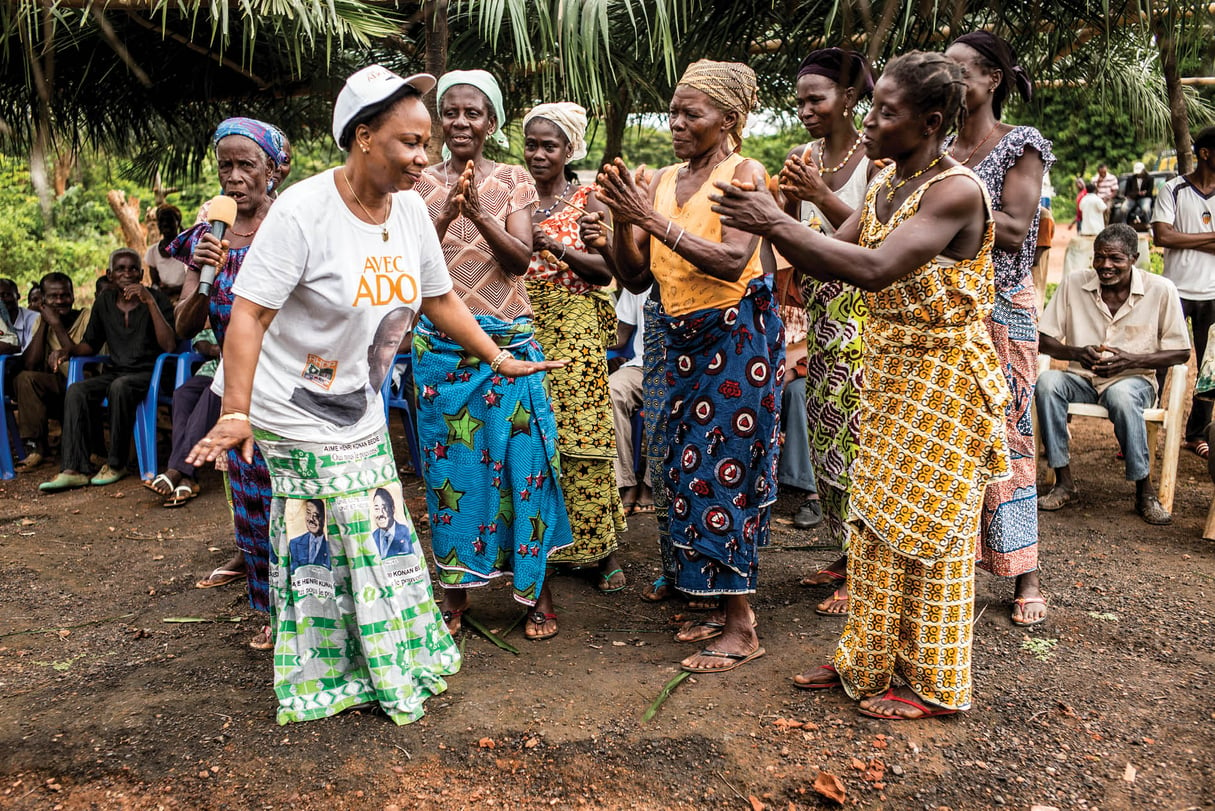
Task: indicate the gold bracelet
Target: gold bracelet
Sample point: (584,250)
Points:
(498,360)
(233,415)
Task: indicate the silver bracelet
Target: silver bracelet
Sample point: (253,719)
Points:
(681,233)
(666,233)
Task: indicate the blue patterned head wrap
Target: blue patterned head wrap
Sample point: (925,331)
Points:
(269,137)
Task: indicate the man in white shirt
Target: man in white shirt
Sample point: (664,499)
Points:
(1182,225)
(626,391)
(1116,325)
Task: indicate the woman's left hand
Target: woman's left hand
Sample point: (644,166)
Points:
(746,209)
(541,241)
(620,193)
(513,367)
(223,437)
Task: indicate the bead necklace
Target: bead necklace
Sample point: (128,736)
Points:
(977,148)
(892,189)
(545,212)
(387,212)
(248,235)
(822,151)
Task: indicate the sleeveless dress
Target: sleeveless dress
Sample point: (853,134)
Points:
(1009,537)
(932,438)
(835,312)
(724,361)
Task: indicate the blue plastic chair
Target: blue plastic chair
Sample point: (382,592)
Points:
(12,450)
(179,365)
(403,399)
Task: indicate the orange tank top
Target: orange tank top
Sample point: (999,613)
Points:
(686,288)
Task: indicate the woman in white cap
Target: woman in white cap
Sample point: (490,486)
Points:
(489,444)
(575,319)
(342,265)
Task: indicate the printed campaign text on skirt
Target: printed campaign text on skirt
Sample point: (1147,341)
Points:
(724,372)
(490,461)
(353,611)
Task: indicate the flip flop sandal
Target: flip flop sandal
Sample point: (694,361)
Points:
(660,583)
(630,507)
(181,494)
(835,598)
(448,616)
(1021,602)
(643,508)
(819,685)
(154,485)
(219,577)
(715,630)
(890,696)
(606,579)
(835,577)
(539,618)
(264,639)
(735,660)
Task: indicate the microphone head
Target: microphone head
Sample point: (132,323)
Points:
(222,209)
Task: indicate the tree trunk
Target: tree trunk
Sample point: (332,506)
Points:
(65,164)
(1178,119)
(128,214)
(39,175)
(615,121)
(436,65)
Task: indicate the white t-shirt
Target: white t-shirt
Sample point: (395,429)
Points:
(630,309)
(172,272)
(1183,207)
(345,297)
(1092,214)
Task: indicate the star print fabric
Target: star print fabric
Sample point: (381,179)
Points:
(490,461)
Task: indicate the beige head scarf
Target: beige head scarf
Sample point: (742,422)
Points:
(570,118)
(731,86)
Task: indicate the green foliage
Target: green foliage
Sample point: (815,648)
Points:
(1084,136)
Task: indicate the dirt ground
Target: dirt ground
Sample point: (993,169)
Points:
(104,704)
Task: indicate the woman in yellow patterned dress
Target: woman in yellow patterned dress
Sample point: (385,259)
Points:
(574,319)
(932,410)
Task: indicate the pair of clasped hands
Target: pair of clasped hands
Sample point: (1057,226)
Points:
(1107,361)
(626,193)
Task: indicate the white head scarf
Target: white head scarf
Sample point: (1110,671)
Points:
(484,81)
(570,118)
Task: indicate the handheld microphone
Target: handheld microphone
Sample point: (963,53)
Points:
(221,212)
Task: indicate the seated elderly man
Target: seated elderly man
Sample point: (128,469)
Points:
(1116,326)
(133,322)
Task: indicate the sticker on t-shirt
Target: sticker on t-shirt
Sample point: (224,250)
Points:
(320,371)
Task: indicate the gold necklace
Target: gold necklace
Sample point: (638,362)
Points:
(822,151)
(977,148)
(890,194)
(387,213)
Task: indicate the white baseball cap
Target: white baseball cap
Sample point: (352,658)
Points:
(369,86)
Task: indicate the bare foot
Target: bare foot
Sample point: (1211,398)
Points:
(901,704)
(836,605)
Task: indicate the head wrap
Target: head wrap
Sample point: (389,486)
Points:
(731,86)
(269,137)
(484,81)
(570,118)
(1000,54)
(122,252)
(845,68)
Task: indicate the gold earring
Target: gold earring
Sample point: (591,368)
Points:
(364,148)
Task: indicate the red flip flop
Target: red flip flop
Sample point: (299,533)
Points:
(819,685)
(890,696)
